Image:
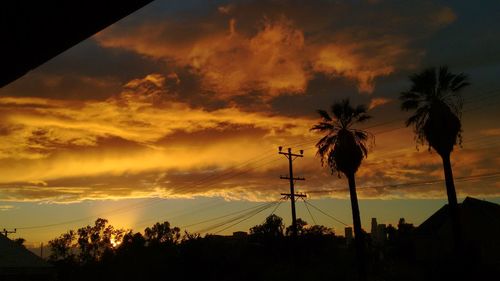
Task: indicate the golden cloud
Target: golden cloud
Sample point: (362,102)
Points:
(143,142)
(53,139)
(4,208)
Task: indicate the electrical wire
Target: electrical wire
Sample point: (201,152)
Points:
(226,215)
(416,183)
(324,213)
(244,219)
(309,211)
(250,213)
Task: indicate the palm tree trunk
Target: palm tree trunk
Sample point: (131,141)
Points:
(358,233)
(452,203)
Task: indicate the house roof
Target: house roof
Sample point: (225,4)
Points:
(474,214)
(13,255)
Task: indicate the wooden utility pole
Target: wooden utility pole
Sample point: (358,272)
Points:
(291,156)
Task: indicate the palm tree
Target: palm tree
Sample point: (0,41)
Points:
(342,149)
(435,97)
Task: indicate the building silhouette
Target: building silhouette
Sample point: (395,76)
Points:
(18,263)
(480,225)
(348,235)
(374,227)
(378,232)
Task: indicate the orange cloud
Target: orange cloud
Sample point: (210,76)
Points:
(252,47)
(375,102)
(232,63)
(54,138)
(349,61)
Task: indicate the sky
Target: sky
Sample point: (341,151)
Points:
(176,113)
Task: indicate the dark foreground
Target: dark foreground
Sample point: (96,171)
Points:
(267,253)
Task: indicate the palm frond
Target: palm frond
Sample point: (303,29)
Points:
(360,109)
(410,104)
(363,148)
(444,80)
(325,145)
(364,138)
(324,115)
(459,82)
(424,82)
(361,135)
(409,96)
(337,110)
(418,117)
(363,118)
(323,126)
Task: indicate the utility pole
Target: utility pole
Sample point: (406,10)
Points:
(291,156)
(7,232)
(41,250)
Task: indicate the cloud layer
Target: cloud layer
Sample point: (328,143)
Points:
(143,143)
(276,47)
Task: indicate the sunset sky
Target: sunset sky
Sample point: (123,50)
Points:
(176,113)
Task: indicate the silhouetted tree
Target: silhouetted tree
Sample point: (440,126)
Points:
(94,241)
(132,245)
(20,241)
(161,233)
(435,97)
(318,230)
(190,236)
(133,240)
(303,228)
(342,149)
(272,227)
(61,247)
(301,224)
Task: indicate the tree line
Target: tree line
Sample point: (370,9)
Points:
(268,252)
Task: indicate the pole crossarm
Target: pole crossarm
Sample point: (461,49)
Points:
(299,195)
(291,154)
(7,232)
(296,179)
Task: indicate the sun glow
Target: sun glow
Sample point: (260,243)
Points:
(114,242)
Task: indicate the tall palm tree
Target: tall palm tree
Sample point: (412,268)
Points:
(342,149)
(435,97)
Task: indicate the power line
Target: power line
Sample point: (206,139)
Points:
(250,213)
(324,213)
(211,206)
(275,208)
(309,211)
(225,216)
(416,183)
(247,218)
